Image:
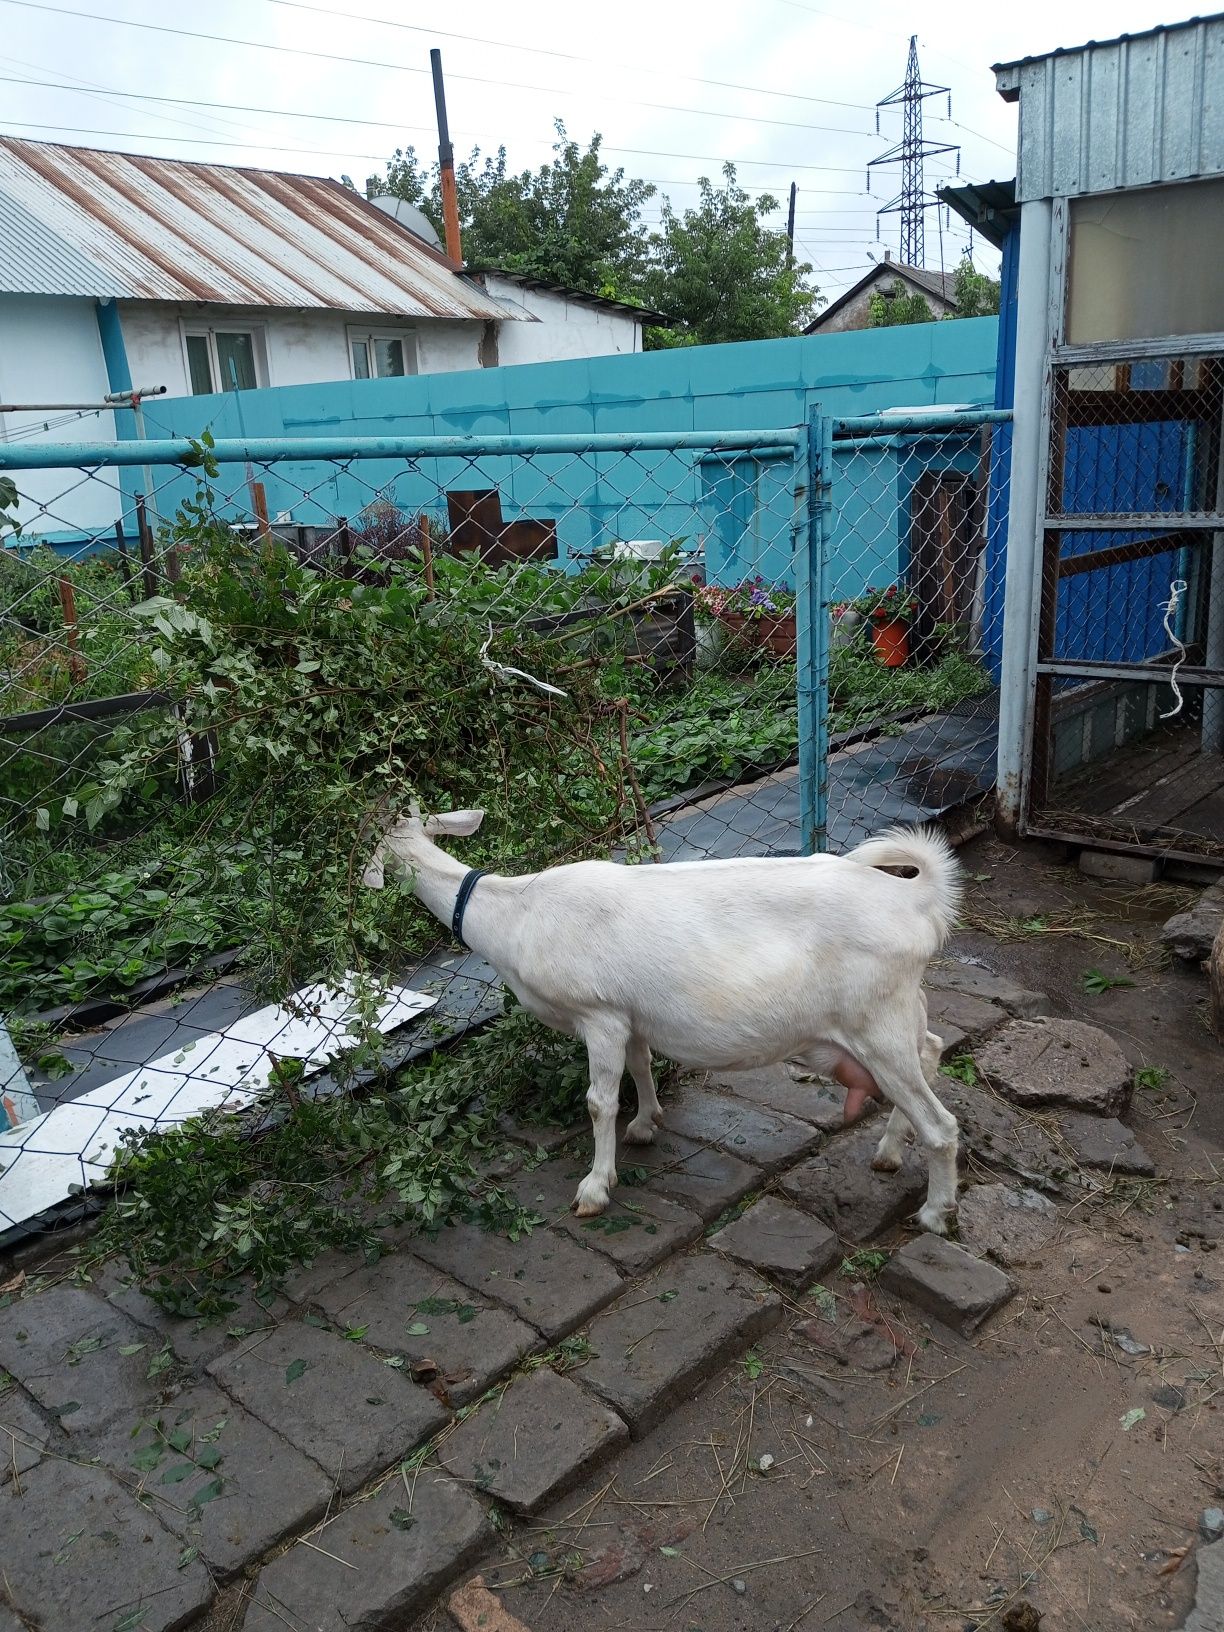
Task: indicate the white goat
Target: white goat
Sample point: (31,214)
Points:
(719,965)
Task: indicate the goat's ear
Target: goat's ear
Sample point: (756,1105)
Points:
(373,878)
(459,824)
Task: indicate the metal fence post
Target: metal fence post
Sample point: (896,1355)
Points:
(812,632)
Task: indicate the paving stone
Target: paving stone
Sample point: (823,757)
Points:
(23,1435)
(975,982)
(533,1442)
(195,1342)
(375,1565)
(952,1040)
(1057,1062)
(692,1174)
(303,1285)
(816,1101)
(544,1136)
(997,1132)
(440,1328)
(216,1475)
(65,1346)
(1117,869)
(1207,1614)
(789,1246)
(972,1017)
(948,1282)
(544,1277)
(637,1230)
(840,1186)
(769,1139)
(80,1554)
(347,1409)
(9,1621)
(667,1334)
(1009,1223)
(1103,1141)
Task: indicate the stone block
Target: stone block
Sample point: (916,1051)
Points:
(668,1334)
(1057,1062)
(23,1435)
(816,1101)
(839,1185)
(544,1277)
(1103,1141)
(983,983)
(768,1138)
(375,1565)
(1009,1223)
(1117,869)
(637,1230)
(1002,1135)
(1207,1614)
(216,1476)
(533,1442)
(80,1553)
(347,1409)
(961,1012)
(82,1360)
(1190,935)
(447,1337)
(693,1175)
(947,1282)
(195,1342)
(789,1246)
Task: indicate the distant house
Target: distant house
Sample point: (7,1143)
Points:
(853,309)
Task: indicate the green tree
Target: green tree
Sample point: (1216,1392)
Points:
(573,221)
(889,308)
(723,273)
(976,294)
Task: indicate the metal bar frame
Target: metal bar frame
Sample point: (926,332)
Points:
(813,508)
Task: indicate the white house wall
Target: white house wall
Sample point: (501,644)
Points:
(50,351)
(564,329)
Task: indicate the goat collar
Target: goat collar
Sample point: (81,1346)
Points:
(467,884)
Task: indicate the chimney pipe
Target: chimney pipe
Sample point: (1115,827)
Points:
(446,164)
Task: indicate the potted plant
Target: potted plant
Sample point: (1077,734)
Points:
(888,613)
(755,616)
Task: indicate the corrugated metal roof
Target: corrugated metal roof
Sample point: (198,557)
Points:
(1131,112)
(988,206)
(166,229)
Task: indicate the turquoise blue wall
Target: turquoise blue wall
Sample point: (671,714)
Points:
(742,514)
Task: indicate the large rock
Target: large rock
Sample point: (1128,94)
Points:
(1057,1062)
(1009,1223)
(947,1282)
(839,1186)
(1191,935)
(981,983)
(1103,1141)
(1208,1612)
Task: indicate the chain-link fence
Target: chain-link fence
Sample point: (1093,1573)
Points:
(222,666)
(217,675)
(914,578)
(1128,732)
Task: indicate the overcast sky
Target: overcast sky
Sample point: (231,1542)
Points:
(785,88)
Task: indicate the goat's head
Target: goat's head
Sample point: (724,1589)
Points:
(396,845)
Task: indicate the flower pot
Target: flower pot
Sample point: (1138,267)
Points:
(891,644)
(776,636)
(711,638)
(742,638)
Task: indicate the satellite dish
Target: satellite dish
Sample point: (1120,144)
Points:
(416,221)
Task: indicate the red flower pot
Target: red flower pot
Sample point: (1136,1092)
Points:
(891,643)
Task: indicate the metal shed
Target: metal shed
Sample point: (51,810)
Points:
(1112,728)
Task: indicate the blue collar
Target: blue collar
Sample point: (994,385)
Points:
(467,885)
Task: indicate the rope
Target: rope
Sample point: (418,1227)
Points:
(503,673)
(1176,590)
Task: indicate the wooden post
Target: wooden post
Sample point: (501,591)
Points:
(148,564)
(125,567)
(67,597)
(259,504)
(1215,977)
(426,555)
(346,547)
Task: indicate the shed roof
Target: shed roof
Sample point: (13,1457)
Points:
(131,227)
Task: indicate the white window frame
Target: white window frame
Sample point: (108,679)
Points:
(208,330)
(406,336)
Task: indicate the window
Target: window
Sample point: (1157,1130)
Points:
(382,356)
(223,359)
(1146,264)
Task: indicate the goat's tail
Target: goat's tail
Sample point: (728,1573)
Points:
(926,852)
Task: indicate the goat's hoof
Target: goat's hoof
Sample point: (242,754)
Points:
(640,1133)
(883,1162)
(935,1220)
(591,1200)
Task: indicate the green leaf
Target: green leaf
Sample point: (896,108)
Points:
(207,1457)
(1130,1418)
(294,1370)
(188,1556)
(130,1348)
(209,1493)
(418,1329)
(401,1518)
(176,1474)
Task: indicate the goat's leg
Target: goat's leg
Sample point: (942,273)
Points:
(890,1151)
(898,1071)
(641,1130)
(605,1046)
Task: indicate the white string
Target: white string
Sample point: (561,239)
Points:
(1176,590)
(503,673)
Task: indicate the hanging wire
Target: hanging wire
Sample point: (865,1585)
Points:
(1176,590)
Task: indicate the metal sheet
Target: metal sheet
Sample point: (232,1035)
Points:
(139,228)
(1132,112)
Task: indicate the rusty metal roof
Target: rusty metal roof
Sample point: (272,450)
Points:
(139,228)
